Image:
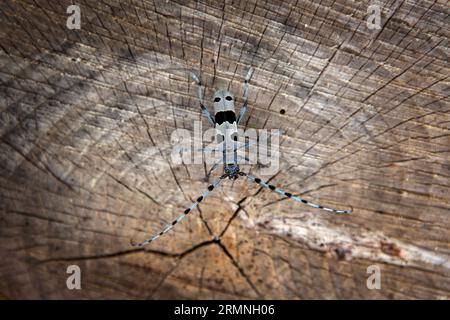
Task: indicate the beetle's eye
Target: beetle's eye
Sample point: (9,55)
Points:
(217,99)
(229,98)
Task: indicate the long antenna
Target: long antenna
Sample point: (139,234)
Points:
(291,196)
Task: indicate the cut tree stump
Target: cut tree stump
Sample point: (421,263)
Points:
(85,127)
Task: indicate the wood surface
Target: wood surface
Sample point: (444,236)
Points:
(85,125)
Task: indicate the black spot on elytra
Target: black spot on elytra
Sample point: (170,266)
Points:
(304,201)
(287,194)
(257,180)
(222,116)
(211,187)
(271,187)
(200,199)
(174,222)
(187,210)
(282,111)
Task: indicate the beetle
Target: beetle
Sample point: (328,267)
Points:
(226,122)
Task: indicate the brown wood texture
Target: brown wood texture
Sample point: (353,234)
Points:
(85,125)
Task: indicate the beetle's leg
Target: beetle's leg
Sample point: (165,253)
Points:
(180,217)
(200,96)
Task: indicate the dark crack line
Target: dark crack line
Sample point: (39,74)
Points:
(127,252)
(130,189)
(96,257)
(148,196)
(236,212)
(46,169)
(241,271)
(291,269)
(204,221)
(163,279)
(200,287)
(241,207)
(319,77)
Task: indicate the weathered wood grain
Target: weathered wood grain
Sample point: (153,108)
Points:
(85,124)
